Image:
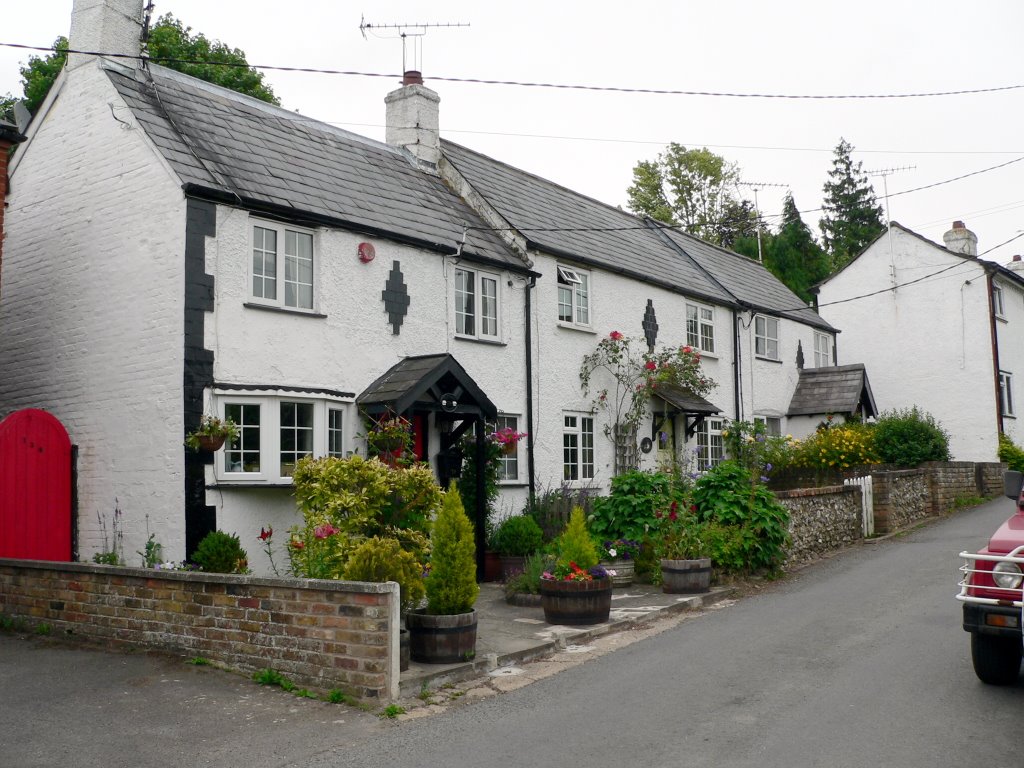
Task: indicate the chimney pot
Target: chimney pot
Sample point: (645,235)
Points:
(1016,257)
(412,77)
(958,225)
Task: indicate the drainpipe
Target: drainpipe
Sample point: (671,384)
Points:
(737,366)
(995,351)
(528,338)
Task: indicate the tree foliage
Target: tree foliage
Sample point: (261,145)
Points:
(852,217)
(692,189)
(170,41)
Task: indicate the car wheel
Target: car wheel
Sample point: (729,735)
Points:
(996,659)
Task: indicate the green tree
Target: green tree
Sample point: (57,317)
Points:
(691,188)
(193,54)
(852,217)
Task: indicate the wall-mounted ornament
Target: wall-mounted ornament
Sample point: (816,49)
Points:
(366,252)
(396,298)
(650,326)
(646,445)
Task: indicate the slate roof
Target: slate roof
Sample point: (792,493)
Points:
(685,401)
(601,235)
(233,147)
(422,380)
(835,389)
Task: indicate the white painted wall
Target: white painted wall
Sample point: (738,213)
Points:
(926,344)
(91,309)
(1010,333)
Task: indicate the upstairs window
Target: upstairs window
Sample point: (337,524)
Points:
(1006,392)
(766,337)
(700,327)
(282,266)
(997,301)
(822,350)
(476,304)
(573,296)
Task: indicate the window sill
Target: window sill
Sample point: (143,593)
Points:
(222,484)
(285,310)
(492,342)
(1002,318)
(768,359)
(512,483)
(575,327)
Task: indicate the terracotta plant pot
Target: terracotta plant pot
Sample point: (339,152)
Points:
(686,576)
(492,566)
(441,639)
(576,602)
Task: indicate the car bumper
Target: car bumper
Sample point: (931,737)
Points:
(1001,620)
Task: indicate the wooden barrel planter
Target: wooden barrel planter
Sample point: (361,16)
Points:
(625,570)
(576,602)
(441,639)
(686,576)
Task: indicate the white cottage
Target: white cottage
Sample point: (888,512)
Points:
(940,328)
(176,249)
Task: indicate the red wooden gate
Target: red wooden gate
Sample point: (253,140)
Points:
(35,487)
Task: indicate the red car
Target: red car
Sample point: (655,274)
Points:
(993,598)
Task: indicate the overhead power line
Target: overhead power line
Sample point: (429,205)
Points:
(557,86)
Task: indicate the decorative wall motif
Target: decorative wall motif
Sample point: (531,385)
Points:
(396,298)
(650,325)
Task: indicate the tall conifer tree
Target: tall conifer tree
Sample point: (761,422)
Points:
(852,217)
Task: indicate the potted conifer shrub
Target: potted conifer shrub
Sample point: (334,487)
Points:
(577,590)
(516,538)
(445,631)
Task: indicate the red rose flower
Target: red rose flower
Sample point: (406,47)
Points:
(615,336)
(266,533)
(650,365)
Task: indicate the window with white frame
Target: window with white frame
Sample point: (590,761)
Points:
(577,447)
(282,266)
(1006,392)
(997,301)
(822,350)
(573,296)
(700,327)
(772,424)
(275,432)
(476,304)
(710,447)
(508,463)
(766,337)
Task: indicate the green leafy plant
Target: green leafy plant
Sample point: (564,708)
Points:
(220,552)
(43,628)
(391,711)
(517,536)
(628,511)
(528,581)
(113,545)
(838,447)
(1011,453)
(908,437)
(211,427)
(729,495)
(451,584)
(492,473)
(383,559)
(337,696)
(152,552)
(198,661)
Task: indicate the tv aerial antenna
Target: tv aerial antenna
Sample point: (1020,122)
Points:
(758,185)
(412,38)
(885,173)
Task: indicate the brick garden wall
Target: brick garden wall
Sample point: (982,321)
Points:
(324,634)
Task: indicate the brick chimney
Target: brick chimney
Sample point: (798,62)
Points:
(9,136)
(1017,265)
(105,26)
(961,240)
(412,119)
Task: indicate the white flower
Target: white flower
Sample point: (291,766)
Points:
(612,553)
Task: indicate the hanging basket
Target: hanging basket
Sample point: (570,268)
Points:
(508,449)
(210,442)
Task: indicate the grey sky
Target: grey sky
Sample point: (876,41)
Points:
(589,141)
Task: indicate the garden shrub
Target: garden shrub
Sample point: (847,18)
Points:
(221,552)
(836,448)
(909,437)
(729,495)
(552,507)
(1011,454)
(517,536)
(451,584)
(629,511)
(383,559)
(528,582)
(575,544)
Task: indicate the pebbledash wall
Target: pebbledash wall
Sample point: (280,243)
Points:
(325,634)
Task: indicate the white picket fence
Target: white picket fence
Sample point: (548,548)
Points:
(867,503)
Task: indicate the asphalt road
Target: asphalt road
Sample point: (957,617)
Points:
(856,661)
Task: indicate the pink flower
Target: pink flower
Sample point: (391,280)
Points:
(323,531)
(615,336)
(687,349)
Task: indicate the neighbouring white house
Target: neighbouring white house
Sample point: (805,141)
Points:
(940,329)
(175,249)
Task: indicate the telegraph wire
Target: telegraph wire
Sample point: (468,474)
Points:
(530,84)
